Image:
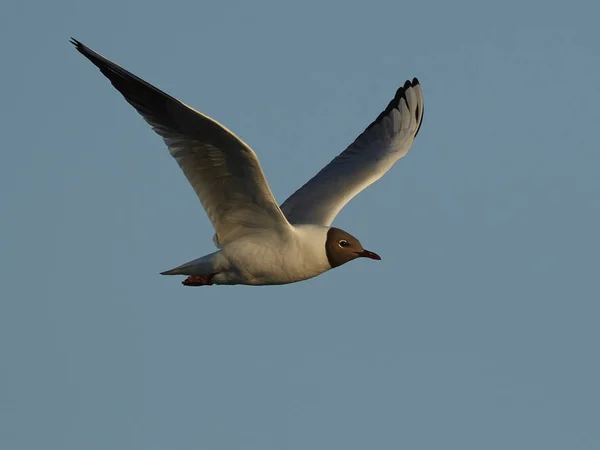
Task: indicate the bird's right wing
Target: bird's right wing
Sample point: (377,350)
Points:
(366,160)
(222,169)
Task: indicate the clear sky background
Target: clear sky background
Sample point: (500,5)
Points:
(478,329)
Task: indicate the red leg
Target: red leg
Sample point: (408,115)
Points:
(198,280)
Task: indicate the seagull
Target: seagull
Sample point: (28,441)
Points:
(259,242)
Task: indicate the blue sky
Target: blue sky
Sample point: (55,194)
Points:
(478,329)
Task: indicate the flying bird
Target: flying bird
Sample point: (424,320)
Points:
(259,242)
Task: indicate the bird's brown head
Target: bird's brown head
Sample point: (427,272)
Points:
(342,247)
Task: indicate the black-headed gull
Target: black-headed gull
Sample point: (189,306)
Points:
(259,242)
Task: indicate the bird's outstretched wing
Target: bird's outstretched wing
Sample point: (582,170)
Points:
(222,169)
(366,160)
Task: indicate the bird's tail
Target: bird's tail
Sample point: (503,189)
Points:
(201,266)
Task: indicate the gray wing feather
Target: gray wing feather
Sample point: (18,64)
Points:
(224,172)
(367,159)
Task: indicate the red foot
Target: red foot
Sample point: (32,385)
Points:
(198,280)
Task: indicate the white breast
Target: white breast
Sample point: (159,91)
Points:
(270,258)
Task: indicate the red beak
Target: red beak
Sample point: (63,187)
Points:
(368,254)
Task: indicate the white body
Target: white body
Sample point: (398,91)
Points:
(260,242)
(264,257)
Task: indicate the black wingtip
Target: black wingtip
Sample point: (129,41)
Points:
(81,48)
(415,82)
(400,93)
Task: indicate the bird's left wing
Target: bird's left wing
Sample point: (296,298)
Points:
(222,169)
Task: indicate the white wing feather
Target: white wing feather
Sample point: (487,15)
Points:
(222,169)
(366,160)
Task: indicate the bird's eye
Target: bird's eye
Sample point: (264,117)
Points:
(343,243)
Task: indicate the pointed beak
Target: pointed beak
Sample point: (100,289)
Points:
(368,254)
